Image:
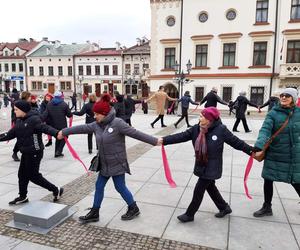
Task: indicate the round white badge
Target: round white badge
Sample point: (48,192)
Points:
(214,137)
(110,130)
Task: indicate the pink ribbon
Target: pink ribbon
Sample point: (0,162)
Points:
(170,109)
(70,121)
(75,155)
(167,168)
(247,171)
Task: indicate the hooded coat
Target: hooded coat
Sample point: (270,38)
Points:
(282,159)
(240,104)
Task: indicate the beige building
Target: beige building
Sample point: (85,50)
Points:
(99,70)
(249,45)
(51,67)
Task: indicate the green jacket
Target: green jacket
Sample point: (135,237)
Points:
(282,159)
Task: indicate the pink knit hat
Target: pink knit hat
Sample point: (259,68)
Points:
(211,113)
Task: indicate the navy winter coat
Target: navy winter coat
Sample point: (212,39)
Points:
(212,100)
(186,100)
(217,135)
(88,110)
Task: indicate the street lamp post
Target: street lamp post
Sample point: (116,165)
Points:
(80,79)
(181,76)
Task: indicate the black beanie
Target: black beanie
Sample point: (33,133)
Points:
(23,105)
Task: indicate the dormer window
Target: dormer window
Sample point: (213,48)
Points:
(17,52)
(6,53)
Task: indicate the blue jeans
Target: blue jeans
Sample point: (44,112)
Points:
(120,186)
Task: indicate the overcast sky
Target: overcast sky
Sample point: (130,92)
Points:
(104,21)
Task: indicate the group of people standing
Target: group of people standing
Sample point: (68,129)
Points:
(282,159)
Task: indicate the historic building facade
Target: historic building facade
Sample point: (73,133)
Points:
(100,70)
(51,67)
(13,63)
(136,68)
(251,46)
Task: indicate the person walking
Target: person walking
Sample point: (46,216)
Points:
(119,106)
(241,104)
(272,101)
(110,134)
(56,112)
(282,158)
(28,131)
(5,100)
(87,110)
(47,98)
(74,102)
(185,102)
(160,97)
(208,138)
(129,107)
(212,99)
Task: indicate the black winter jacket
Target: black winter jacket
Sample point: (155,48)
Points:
(217,135)
(119,107)
(56,114)
(28,131)
(186,100)
(212,100)
(273,100)
(240,104)
(88,110)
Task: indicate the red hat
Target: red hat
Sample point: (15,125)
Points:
(33,97)
(49,95)
(211,113)
(103,106)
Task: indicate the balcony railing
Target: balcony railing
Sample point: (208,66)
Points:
(290,70)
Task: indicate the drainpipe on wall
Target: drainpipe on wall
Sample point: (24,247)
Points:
(180,49)
(275,47)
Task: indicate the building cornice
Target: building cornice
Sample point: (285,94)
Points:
(170,40)
(217,75)
(230,35)
(291,32)
(261,33)
(202,37)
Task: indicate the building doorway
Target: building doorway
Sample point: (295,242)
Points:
(98,89)
(51,88)
(172,91)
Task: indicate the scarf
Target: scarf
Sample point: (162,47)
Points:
(201,146)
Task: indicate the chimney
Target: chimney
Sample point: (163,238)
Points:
(31,40)
(118,45)
(138,41)
(22,40)
(45,39)
(57,44)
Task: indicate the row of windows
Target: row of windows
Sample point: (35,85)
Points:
(229,54)
(262,8)
(13,67)
(38,85)
(7,53)
(136,68)
(256,94)
(60,71)
(106,71)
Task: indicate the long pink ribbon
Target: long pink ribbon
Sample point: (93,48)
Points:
(247,171)
(75,155)
(167,168)
(170,109)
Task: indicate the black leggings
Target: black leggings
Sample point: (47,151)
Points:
(268,190)
(184,114)
(161,118)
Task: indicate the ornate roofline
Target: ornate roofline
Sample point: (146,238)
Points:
(163,1)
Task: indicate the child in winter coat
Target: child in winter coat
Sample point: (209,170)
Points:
(208,138)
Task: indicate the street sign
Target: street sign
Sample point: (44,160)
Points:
(17,78)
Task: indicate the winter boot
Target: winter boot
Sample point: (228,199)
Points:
(18,200)
(223,212)
(58,194)
(91,216)
(266,210)
(132,212)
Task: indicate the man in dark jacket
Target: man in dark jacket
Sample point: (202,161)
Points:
(56,112)
(87,109)
(241,104)
(185,102)
(119,107)
(212,99)
(208,138)
(74,101)
(28,131)
(129,107)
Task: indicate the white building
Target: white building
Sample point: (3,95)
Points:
(99,70)
(51,67)
(136,62)
(230,44)
(13,63)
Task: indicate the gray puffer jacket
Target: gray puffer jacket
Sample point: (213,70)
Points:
(110,136)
